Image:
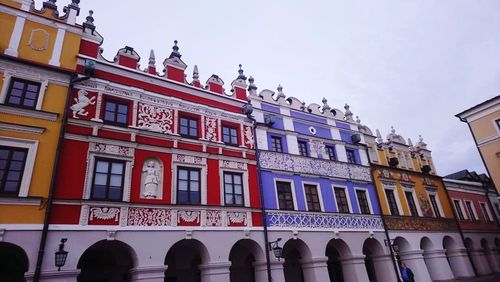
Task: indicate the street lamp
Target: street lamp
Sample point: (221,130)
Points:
(61,255)
(277,250)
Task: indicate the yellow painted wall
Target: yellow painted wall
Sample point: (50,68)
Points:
(21,214)
(7,23)
(484,127)
(11,3)
(28,53)
(489,152)
(70,49)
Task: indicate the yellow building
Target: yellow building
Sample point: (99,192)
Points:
(38,51)
(484,124)
(417,214)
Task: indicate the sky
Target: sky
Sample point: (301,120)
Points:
(408,64)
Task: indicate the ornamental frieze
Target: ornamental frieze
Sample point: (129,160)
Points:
(155,118)
(211,129)
(112,149)
(298,164)
(323,221)
(419,224)
(232,164)
(249,141)
(104,214)
(189,159)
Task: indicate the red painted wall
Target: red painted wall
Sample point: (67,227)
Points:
(71,173)
(65,214)
(253,186)
(468,224)
(213,183)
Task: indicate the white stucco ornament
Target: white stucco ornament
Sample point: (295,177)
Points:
(81,102)
(211,129)
(155,118)
(312,130)
(151,179)
(248,134)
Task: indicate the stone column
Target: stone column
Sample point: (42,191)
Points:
(384,268)
(415,261)
(316,269)
(260,271)
(437,264)
(354,269)
(148,273)
(492,259)
(460,263)
(215,271)
(479,260)
(277,273)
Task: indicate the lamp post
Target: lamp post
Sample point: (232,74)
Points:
(277,250)
(61,255)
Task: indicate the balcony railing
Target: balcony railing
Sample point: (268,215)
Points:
(305,165)
(419,223)
(295,219)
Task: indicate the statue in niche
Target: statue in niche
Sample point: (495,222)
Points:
(151,175)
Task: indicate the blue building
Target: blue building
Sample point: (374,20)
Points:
(319,199)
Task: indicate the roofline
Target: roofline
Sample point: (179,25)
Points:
(474,107)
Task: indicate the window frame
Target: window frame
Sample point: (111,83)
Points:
(347,197)
(302,146)
(108,174)
(276,140)
(189,118)
(486,212)
(236,131)
(32,147)
(459,209)
(389,201)
(310,186)
(330,152)
(367,197)
(471,210)
(233,174)
(435,206)
(414,204)
(26,82)
(3,181)
(351,156)
(200,186)
(292,192)
(115,113)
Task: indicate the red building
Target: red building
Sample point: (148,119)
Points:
(153,169)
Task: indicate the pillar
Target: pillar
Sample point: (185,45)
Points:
(260,271)
(384,268)
(149,273)
(354,268)
(480,262)
(492,259)
(315,269)
(415,261)
(215,271)
(277,273)
(437,265)
(460,263)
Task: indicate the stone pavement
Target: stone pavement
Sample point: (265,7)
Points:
(489,278)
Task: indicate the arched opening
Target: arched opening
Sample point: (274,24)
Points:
(183,261)
(243,256)
(336,250)
(488,253)
(13,262)
(372,249)
(294,251)
(106,261)
(402,246)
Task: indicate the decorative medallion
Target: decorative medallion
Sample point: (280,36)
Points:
(39,39)
(312,130)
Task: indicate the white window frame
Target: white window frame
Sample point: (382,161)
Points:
(473,209)
(292,187)
(32,146)
(346,190)
(394,189)
(203,181)
(318,189)
(415,200)
(8,76)
(438,202)
(244,180)
(367,193)
(488,217)
(465,213)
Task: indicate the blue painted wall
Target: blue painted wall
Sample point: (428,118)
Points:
(308,117)
(284,144)
(304,129)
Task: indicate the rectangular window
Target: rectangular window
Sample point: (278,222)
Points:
(23,93)
(330,151)
(12,162)
(276,144)
(470,209)
(364,206)
(285,198)
(341,197)
(351,158)
(458,208)
(188,127)
(391,200)
(188,185)
(411,203)
(434,205)
(116,113)
(312,197)
(303,148)
(485,211)
(108,180)
(233,189)
(230,135)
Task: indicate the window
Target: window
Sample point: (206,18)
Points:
(23,93)
(411,203)
(303,148)
(108,180)
(116,113)
(276,144)
(435,206)
(233,189)
(312,197)
(351,158)
(285,199)
(486,212)
(470,209)
(364,206)
(189,127)
(12,162)
(229,135)
(341,197)
(391,200)
(330,151)
(458,208)
(188,185)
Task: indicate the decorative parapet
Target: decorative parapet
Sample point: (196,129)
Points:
(291,219)
(299,164)
(419,223)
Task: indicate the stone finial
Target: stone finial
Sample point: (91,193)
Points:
(348,113)
(280,92)
(240,72)
(358,120)
(152,60)
(325,107)
(175,51)
(410,144)
(252,88)
(75,2)
(303,106)
(393,131)
(196,74)
(89,22)
(379,137)
(50,4)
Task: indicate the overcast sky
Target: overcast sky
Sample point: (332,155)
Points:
(410,64)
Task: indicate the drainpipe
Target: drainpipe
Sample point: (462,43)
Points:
(50,199)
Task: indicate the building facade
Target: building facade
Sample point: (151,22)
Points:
(477,222)
(319,199)
(416,210)
(484,123)
(37,59)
